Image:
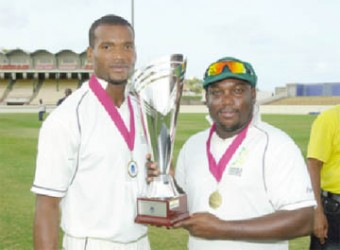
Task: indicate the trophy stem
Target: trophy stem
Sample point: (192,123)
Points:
(162,186)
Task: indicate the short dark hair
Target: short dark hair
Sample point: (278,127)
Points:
(68,91)
(107,19)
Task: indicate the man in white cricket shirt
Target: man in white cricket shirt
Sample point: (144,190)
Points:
(91,155)
(246,181)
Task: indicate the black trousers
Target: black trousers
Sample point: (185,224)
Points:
(333,240)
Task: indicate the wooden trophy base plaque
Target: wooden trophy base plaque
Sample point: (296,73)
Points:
(162,211)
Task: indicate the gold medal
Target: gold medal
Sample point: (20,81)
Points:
(215,200)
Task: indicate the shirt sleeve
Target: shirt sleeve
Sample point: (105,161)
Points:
(321,137)
(57,158)
(286,177)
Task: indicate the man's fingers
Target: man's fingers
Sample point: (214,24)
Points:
(152,170)
(322,241)
(148,157)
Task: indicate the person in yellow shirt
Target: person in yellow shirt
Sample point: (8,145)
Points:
(323,157)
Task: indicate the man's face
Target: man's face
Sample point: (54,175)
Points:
(230,103)
(113,54)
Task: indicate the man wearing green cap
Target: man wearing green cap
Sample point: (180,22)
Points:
(247,183)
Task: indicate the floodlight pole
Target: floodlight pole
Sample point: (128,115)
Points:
(132,12)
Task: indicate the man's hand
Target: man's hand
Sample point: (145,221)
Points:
(203,225)
(280,225)
(320,225)
(152,170)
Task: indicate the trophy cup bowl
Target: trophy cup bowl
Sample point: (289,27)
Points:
(158,89)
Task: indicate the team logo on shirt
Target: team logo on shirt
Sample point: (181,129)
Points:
(132,169)
(236,167)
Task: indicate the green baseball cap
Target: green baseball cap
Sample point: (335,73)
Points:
(229,67)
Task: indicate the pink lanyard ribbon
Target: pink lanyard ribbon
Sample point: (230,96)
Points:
(111,109)
(217,169)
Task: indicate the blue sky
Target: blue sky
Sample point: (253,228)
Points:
(287,41)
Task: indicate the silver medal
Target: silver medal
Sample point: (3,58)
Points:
(132,169)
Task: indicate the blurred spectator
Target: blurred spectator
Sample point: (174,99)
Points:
(67,93)
(42,110)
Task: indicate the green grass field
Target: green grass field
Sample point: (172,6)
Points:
(18,143)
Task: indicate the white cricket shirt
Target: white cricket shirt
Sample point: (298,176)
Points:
(267,173)
(83,158)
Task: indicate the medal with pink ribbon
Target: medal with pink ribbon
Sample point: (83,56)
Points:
(111,109)
(217,169)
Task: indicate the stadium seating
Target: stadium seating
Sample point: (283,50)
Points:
(307,100)
(21,92)
(3,86)
(52,90)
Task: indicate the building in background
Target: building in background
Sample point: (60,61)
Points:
(310,89)
(27,77)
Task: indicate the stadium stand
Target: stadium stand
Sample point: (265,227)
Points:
(27,77)
(48,92)
(52,90)
(21,92)
(3,86)
(307,100)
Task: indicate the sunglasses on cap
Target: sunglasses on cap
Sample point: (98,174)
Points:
(233,66)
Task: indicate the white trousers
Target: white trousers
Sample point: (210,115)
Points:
(73,243)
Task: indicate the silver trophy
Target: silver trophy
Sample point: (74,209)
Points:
(158,88)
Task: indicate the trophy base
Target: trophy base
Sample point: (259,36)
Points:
(162,211)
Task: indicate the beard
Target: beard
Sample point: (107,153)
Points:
(232,128)
(113,78)
(227,130)
(116,82)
